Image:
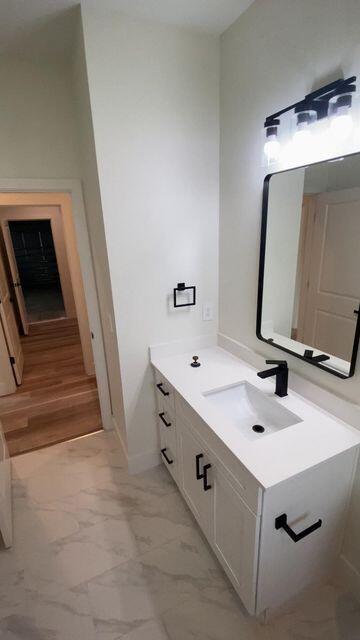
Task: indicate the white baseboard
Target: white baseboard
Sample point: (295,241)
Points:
(117,432)
(349,576)
(143,461)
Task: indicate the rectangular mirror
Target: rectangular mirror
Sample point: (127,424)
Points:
(309,279)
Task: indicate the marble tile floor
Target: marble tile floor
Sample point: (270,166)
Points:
(101,555)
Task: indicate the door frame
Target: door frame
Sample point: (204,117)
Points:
(53,215)
(72,187)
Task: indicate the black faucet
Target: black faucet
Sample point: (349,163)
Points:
(281,372)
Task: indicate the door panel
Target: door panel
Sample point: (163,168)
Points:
(200,501)
(10,327)
(7,378)
(235,537)
(5,492)
(16,278)
(333,289)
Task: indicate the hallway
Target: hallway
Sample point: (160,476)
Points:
(44,304)
(57,399)
(101,555)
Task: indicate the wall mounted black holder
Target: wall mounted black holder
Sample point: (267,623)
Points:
(281,523)
(181,288)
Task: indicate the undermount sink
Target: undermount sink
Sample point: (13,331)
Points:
(254,414)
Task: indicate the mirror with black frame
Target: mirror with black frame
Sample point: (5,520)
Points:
(309,280)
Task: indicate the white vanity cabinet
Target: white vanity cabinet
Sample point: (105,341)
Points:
(238,516)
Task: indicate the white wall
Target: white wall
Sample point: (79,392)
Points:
(37,126)
(41,137)
(282,246)
(94,214)
(333,176)
(154,100)
(271,57)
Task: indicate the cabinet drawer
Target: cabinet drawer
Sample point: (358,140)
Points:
(168,449)
(246,485)
(164,390)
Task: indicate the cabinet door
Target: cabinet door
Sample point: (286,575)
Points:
(236,535)
(197,492)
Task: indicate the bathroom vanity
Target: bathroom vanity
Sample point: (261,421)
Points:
(272,500)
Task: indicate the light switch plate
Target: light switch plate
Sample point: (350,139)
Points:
(208,311)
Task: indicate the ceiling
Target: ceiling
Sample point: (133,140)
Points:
(47,27)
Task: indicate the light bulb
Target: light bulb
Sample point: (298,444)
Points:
(302,136)
(272,144)
(342,123)
(272,147)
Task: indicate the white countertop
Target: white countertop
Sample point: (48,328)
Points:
(272,458)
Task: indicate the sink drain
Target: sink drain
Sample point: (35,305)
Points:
(258,428)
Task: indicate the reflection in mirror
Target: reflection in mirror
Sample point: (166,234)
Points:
(311,278)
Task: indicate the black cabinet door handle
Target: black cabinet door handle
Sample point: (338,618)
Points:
(199,475)
(160,387)
(281,523)
(207,486)
(163,451)
(162,418)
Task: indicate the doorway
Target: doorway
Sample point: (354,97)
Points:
(36,261)
(56,396)
(327,281)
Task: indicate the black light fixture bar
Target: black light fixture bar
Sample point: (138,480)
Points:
(317,100)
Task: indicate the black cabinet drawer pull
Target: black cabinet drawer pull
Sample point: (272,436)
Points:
(207,486)
(160,387)
(163,451)
(281,523)
(198,474)
(162,418)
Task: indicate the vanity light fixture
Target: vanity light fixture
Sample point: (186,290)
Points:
(334,102)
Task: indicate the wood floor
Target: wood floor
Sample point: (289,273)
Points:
(57,401)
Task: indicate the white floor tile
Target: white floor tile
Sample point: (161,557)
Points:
(102,555)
